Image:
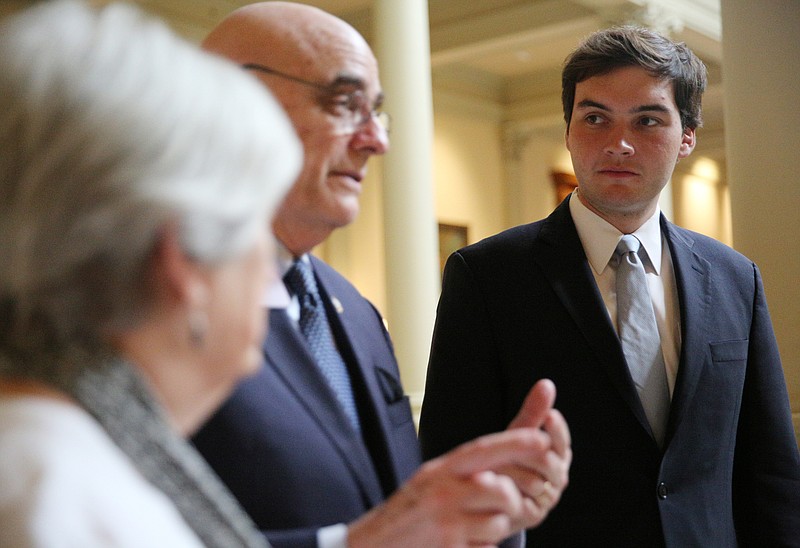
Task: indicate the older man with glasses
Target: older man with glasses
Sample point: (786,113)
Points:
(318,444)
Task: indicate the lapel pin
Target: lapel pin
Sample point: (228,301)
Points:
(337,304)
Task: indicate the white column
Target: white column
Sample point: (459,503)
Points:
(517,181)
(760,48)
(402,45)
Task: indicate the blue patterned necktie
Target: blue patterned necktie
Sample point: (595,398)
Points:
(315,328)
(638,333)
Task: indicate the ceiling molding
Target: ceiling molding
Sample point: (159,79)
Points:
(509,27)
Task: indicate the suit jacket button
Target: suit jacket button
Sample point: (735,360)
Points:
(662,490)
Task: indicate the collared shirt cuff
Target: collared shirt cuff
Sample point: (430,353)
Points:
(333,536)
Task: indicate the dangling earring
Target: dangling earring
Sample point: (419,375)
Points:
(198,325)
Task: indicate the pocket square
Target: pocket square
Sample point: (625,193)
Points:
(390,385)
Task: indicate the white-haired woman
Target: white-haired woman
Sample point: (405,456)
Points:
(137,179)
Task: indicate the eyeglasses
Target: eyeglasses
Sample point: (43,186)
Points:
(353,109)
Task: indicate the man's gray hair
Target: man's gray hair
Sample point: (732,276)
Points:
(111,129)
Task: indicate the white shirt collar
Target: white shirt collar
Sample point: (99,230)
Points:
(600,238)
(276,295)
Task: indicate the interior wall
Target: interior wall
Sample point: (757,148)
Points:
(543,153)
(469,176)
(701,200)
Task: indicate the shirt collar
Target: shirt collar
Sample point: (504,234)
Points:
(600,238)
(276,295)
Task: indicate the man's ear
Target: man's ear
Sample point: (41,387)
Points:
(688,140)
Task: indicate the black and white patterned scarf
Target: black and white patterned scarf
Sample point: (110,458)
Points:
(117,397)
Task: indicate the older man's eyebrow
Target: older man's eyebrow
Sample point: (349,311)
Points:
(344,80)
(347,81)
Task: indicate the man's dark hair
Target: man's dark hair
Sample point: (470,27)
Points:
(610,49)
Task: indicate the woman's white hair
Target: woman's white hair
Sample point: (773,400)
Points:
(111,129)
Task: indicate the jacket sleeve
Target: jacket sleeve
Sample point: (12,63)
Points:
(463,392)
(292,538)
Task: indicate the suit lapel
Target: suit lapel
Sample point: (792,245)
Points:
(693,285)
(353,328)
(560,255)
(286,353)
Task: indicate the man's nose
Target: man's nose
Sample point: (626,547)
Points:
(373,136)
(619,143)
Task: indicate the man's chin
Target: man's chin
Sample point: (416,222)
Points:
(348,218)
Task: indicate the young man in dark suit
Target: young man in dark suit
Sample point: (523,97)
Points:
(720,466)
(318,466)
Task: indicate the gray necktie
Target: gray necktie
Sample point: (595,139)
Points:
(315,327)
(638,333)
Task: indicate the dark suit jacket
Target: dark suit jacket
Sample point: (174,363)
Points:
(523,305)
(283,444)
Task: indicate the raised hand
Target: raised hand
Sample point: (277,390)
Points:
(458,499)
(543,478)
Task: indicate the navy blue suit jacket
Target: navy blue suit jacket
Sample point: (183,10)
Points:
(523,305)
(282,442)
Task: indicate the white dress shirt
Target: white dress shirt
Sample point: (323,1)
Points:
(599,239)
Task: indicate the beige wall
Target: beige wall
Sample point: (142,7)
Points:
(701,198)
(468,170)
